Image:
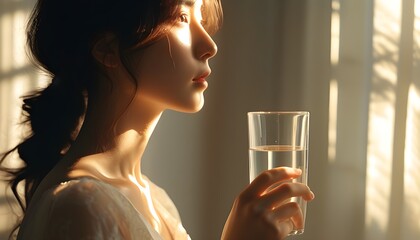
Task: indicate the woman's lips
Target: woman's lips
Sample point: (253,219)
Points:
(201,80)
(202,77)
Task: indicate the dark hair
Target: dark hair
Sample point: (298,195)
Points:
(60,37)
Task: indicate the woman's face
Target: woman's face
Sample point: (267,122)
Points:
(172,72)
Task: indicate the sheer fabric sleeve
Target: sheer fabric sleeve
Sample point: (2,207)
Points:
(82,211)
(85,210)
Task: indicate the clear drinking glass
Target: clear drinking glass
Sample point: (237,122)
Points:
(279,139)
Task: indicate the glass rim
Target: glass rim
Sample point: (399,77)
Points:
(279,112)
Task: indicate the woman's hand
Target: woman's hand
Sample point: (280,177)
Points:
(263,210)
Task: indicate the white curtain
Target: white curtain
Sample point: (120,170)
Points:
(354,64)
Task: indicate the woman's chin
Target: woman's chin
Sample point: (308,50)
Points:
(194,107)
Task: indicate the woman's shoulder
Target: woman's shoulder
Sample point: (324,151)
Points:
(79,190)
(82,208)
(68,208)
(90,198)
(83,193)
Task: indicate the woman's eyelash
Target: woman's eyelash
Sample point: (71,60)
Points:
(184,17)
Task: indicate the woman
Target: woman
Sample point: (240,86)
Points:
(115,67)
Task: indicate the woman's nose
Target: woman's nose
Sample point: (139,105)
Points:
(204,46)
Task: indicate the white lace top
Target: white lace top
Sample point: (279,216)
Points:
(88,209)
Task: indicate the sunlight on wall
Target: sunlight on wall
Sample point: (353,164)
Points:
(411,210)
(411,214)
(16,79)
(387,19)
(18,46)
(12,43)
(332,124)
(333,100)
(335,32)
(6,42)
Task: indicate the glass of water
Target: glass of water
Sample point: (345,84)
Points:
(279,139)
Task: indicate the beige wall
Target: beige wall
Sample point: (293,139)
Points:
(352,63)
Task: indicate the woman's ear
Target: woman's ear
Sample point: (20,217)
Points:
(105,50)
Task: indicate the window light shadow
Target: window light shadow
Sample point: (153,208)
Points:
(386,38)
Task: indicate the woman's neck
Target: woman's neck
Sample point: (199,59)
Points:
(113,139)
(117,156)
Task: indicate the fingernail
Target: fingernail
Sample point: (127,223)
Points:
(298,171)
(312,195)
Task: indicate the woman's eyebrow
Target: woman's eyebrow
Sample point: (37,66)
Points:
(189,3)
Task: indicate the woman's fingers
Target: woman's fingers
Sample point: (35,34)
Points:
(289,212)
(276,201)
(264,210)
(284,228)
(270,177)
(284,192)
